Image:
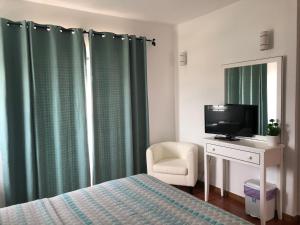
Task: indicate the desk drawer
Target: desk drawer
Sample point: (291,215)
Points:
(250,157)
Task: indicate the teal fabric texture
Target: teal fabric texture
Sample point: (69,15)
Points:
(58,75)
(16,139)
(139,102)
(43,134)
(118,69)
(248,85)
(43,124)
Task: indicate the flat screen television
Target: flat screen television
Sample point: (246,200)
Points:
(231,120)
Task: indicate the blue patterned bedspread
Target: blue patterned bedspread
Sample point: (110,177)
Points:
(139,199)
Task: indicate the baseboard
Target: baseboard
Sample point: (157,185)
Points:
(285,217)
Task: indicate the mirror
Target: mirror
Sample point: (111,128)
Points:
(256,83)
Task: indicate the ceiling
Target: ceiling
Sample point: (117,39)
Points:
(165,11)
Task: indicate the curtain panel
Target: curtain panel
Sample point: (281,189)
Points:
(248,85)
(58,75)
(16,138)
(139,102)
(118,69)
(43,134)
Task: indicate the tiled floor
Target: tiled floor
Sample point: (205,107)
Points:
(234,206)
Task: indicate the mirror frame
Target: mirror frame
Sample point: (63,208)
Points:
(279,61)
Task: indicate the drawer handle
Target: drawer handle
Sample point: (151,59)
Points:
(214,149)
(250,157)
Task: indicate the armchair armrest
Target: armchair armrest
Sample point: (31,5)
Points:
(192,165)
(150,160)
(187,150)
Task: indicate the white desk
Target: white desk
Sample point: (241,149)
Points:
(253,153)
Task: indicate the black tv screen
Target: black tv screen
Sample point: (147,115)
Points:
(231,120)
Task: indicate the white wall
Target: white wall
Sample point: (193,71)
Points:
(160,58)
(298,102)
(231,35)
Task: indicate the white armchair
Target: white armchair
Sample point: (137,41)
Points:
(173,162)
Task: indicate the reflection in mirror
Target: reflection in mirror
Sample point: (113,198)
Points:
(254,85)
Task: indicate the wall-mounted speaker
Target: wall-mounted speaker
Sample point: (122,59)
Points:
(183,58)
(266,40)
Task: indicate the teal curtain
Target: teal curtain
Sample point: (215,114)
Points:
(118,68)
(43,134)
(43,130)
(58,75)
(16,140)
(248,85)
(139,102)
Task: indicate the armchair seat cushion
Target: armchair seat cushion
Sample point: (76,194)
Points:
(174,166)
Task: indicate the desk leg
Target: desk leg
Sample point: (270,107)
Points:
(206,177)
(262,194)
(222,176)
(280,185)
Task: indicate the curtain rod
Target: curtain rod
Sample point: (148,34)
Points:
(153,41)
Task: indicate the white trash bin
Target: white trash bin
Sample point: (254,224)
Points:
(252,199)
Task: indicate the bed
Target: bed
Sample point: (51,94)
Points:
(139,199)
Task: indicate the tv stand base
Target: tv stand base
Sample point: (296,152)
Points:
(227,138)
